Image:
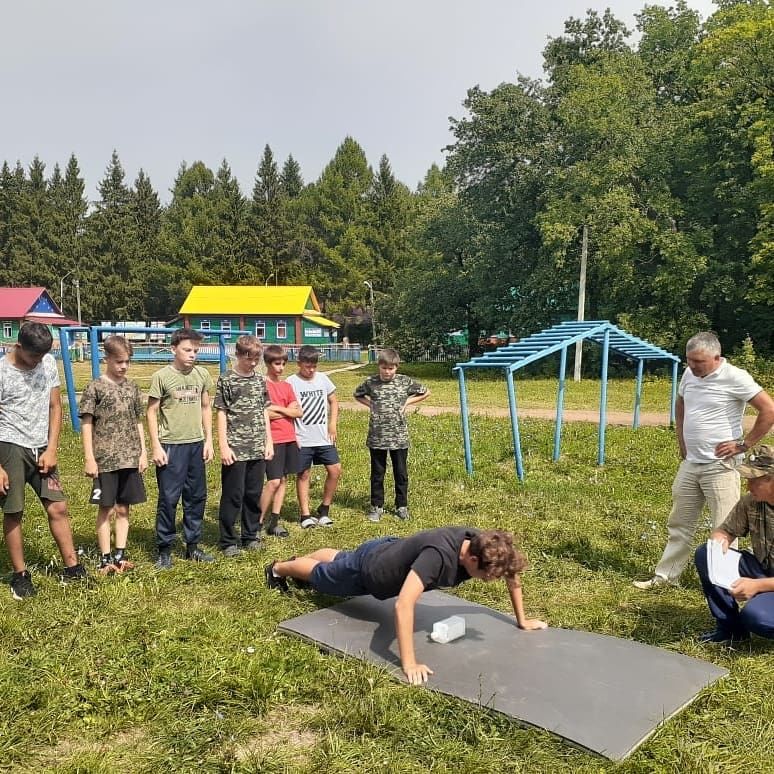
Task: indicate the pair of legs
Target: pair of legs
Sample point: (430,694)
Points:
(317,455)
(21,466)
(58,523)
(715,483)
(284,463)
(242,488)
(399,459)
(104,514)
(757,615)
(301,567)
(182,476)
(115,491)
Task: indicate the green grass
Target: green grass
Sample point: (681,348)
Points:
(184,671)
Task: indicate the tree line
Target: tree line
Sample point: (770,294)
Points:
(660,146)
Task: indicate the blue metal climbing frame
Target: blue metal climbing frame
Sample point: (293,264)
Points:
(557,339)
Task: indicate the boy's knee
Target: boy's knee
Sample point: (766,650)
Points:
(334,471)
(58,511)
(758,618)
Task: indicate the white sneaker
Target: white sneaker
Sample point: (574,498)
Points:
(652,583)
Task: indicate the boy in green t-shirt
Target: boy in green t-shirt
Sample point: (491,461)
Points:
(180,430)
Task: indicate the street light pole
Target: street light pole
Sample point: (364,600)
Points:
(61,290)
(373,310)
(78,297)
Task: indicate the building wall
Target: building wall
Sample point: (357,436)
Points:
(270,329)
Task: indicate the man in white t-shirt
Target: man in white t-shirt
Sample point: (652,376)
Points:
(712,397)
(316,435)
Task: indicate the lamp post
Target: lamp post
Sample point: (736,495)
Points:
(61,290)
(373,310)
(273,274)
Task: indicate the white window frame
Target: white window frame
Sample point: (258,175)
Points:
(284,325)
(7,329)
(204,325)
(225,325)
(260,329)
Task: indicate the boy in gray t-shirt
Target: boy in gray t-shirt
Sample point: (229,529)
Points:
(30,423)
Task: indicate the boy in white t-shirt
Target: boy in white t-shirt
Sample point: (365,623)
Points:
(30,423)
(316,435)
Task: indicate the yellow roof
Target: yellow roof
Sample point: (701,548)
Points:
(250,299)
(320,320)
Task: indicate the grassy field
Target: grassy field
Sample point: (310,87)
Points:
(184,671)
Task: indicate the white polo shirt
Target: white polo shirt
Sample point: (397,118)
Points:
(714,406)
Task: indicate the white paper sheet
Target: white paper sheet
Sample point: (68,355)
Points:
(723,567)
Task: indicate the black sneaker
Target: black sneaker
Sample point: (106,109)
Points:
(73,574)
(721,636)
(273,582)
(197,555)
(164,562)
(252,545)
(21,585)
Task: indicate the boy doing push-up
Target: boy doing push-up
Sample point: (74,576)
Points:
(405,568)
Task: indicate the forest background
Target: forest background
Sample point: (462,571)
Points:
(660,143)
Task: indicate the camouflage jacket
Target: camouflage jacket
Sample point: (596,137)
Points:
(756,520)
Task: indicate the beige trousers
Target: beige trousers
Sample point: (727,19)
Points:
(713,483)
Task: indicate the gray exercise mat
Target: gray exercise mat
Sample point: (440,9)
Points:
(605,694)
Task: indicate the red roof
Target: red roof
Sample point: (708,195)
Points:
(52,319)
(16,302)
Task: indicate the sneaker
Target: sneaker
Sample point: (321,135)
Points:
(307,522)
(230,552)
(652,583)
(374,513)
(251,545)
(164,562)
(721,636)
(273,582)
(402,513)
(21,585)
(197,555)
(72,574)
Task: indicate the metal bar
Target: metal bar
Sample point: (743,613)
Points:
(673,395)
(67,364)
(465,421)
(560,405)
(94,344)
(603,401)
(514,425)
(638,394)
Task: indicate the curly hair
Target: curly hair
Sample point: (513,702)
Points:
(497,556)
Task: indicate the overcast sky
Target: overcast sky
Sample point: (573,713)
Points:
(166,81)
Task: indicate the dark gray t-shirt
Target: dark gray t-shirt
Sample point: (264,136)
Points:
(433,555)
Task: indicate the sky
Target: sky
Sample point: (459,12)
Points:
(168,81)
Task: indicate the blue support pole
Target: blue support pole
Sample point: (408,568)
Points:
(67,364)
(465,421)
(603,399)
(560,404)
(673,395)
(514,424)
(94,344)
(638,394)
(222,354)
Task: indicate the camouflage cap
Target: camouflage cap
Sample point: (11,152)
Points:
(759,463)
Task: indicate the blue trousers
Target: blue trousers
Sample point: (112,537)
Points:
(184,475)
(757,615)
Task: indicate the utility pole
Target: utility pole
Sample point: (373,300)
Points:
(581,299)
(373,310)
(78,297)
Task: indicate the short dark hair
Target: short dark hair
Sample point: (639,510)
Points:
(274,352)
(309,354)
(117,345)
(35,337)
(185,334)
(497,556)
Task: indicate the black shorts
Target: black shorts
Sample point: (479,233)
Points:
(124,487)
(285,461)
(317,455)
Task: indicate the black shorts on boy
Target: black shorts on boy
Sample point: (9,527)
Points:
(122,487)
(285,462)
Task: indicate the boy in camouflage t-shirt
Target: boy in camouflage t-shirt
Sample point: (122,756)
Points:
(387,395)
(244,437)
(114,452)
